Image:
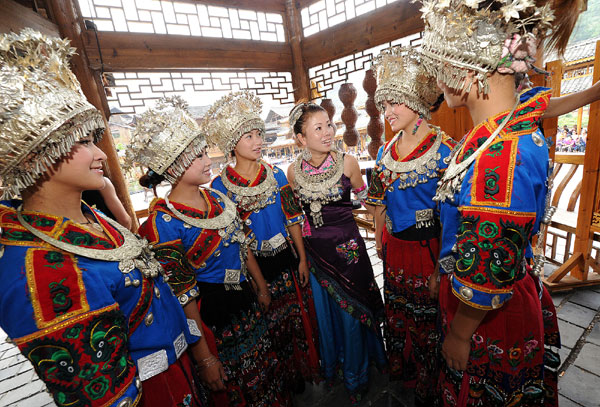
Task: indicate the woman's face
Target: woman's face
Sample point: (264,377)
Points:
(81,169)
(249,146)
(399,116)
(454,98)
(199,172)
(318,133)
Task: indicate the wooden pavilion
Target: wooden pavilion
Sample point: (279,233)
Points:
(133,51)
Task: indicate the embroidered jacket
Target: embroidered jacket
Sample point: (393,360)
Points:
(488,227)
(87,327)
(408,195)
(188,253)
(268,223)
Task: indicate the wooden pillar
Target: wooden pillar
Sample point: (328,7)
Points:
(579,119)
(68,18)
(579,263)
(300,78)
(554,80)
(591,165)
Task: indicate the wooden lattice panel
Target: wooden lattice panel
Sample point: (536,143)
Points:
(134,92)
(324,77)
(327,13)
(183,18)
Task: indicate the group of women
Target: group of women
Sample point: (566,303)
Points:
(238,293)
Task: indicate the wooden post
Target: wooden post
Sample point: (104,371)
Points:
(68,18)
(579,119)
(553,81)
(300,78)
(578,265)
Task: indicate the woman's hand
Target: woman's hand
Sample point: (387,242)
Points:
(303,272)
(379,245)
(264,298)
(212,373)
(455,350)
(434,285)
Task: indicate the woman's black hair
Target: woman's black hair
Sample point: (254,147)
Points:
(434,108)
(307,110)
(151,180)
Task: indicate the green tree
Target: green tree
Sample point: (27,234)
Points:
(587,25)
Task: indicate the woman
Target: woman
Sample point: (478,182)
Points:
(407,226)
(268,207)
(197,236)
(347,299)
(493,197)
(83,298)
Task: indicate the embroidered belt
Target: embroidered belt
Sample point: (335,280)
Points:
(270,247)
(447,264)
(158,362)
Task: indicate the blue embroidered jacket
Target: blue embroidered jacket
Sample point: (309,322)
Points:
(488,227)
(87,327)
(269,222)
(408,195)
(188,253)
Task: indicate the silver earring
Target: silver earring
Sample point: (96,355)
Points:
(306,155)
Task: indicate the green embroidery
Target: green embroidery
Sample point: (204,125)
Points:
(488,229)
(491,186)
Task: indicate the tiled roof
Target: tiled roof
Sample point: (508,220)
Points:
(575,84)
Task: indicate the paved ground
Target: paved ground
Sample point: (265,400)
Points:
(579,385)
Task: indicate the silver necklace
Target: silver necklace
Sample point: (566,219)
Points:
(133,253)
(415,171)
(451,182)
(255,197)
(319,189)
(227,222)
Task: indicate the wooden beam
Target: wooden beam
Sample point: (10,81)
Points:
(14,17)
(68,18)
(138,52)
(300,77)
(377,27)
(268,6)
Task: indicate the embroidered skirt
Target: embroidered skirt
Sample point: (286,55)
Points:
(506,363)
(244,346)
(410,328)
(176,387)
(291,319)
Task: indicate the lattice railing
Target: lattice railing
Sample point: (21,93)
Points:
(324,77)
(134,92)
(183,18)
(326,13)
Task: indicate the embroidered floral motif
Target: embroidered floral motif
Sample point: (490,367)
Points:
(491,244)
(171,255)
(55,286)
(349,250)
(85,363)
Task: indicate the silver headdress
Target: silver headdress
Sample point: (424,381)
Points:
(401,78)
(166,139)
(43,111)
(481,36)
(232,116)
